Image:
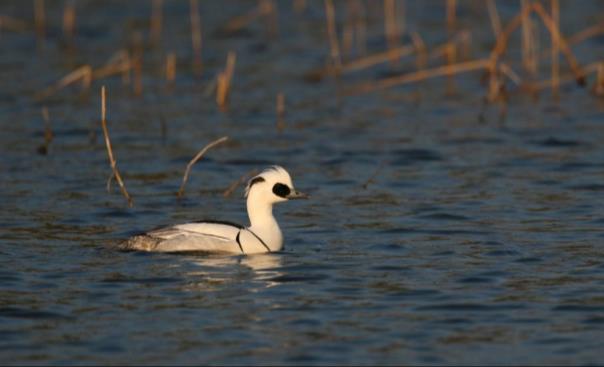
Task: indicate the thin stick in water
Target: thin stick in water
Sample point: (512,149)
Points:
(197,157)
(229,190)
(494,17)
(114,171)
(336,59)
(48,135)
(555,50)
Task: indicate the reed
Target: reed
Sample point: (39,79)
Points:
(114,171)
(336,60)
(268,9)
(48,135)
(494,17)
(598,88)
(391,26)
(82,74)
(419,76)
(555,50)
(196,38)
(223,86)
(196,158)
(14,24)
(451,15)
(280,110)
(69,20)
(40,20)
(156,22)
(420,50)
(171,68)
(233,186)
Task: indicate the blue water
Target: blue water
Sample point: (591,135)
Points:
(432,236)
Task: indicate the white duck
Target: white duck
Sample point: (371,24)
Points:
(271,186)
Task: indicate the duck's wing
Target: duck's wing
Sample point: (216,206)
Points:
(201,236)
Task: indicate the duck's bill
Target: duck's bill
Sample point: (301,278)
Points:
(297,195)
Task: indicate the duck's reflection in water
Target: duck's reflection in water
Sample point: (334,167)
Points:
(212,272)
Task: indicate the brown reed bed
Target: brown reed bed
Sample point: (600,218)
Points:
(196,158)
(115,173)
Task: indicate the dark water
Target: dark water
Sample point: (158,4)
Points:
(431,237)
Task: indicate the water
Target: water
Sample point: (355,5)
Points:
(431,238)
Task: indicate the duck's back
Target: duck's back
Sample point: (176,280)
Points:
(204,236)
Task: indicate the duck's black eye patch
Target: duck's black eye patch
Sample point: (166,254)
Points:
(281,190)
(255,180)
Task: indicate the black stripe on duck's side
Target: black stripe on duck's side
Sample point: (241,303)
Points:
(239,242)
(260,239)
(223,222)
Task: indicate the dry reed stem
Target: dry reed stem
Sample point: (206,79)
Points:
(112,162)
(348,31)
(156,21)
(494,17)
(280,109)
(224,81)
(391,30)
(197,157)
(40,19)
(336,60)
(555,50)
(83,74)
(528,33)
(578,37)
(451,15)
(241,21)
(377,58)
(196,37)
(565,79)
(510,73)
(69,17)
(269,10)
(555,32)
(598,88)
(420,50)
(233,186)
(171,68)
(13,24)
(118,63)
(462,38)
(48,135)
(419,76)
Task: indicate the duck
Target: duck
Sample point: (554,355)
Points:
(263,235)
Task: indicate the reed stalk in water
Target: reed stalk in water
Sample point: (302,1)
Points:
(223,86)
(336,59)
(196,37)
(197,157)
(115,173)
(48,135)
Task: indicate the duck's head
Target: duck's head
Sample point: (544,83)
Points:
(273,185)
